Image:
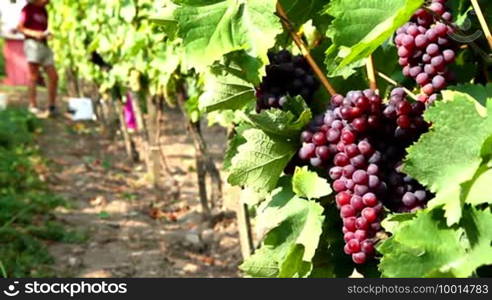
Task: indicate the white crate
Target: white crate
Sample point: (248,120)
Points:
(82,109)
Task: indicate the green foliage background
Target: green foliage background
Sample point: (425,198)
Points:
(26,219)
(217,50)
(2,60)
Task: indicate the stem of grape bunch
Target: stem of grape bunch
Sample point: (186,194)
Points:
(371,73)
(483,22)
(391,81)
(304,50)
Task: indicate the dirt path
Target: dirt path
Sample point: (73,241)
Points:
(111,204)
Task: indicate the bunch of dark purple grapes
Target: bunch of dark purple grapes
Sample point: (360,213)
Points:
(405,194)
(425,49)
(360,141)
(405,120)
(285,75)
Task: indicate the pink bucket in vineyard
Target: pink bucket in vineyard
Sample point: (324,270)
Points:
(129,112)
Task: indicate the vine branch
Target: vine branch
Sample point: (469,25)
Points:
(483,22)
(304,50)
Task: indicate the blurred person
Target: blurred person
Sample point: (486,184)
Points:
(34,25)
(16,67)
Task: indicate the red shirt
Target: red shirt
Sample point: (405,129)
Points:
(34,17)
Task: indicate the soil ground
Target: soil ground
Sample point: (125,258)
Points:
(133,230)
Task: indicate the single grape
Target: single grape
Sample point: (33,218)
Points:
(359,258)
(439,82)
(432,49)
(347,211)
(360,177)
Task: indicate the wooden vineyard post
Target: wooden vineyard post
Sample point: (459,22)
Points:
(200,151)
(244,227)
(153,149)
(143,139)
(200,169)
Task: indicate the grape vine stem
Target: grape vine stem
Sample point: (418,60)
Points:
(482,21)
(304,50)
(388,79)
(371,73)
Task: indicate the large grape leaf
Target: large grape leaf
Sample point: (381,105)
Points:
(294,227)
(224,89)
(330,261)
(232,146)
(425,247)
(195,2)
(360,27)
(480,190)
(210,31)
(261,160)
(480,92)
(245,66)
(392,222)
(268,212)
(279,122)
(309,185)
(450,154)
(300,11)
(478,228)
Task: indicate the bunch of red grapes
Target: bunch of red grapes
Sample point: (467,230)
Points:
(425,49)
(285,75)
(361,142)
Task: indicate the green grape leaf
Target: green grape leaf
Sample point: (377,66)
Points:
(245,66)
(294,266)
(487,148)
(392,222)
(164,16)
(224,90)
(360,27)
(261,160)
(478,228)
(232,150)
(196,2)
(480,189)
(191,107)
(128,10)
(450,153)
(210,31)
(296,105)
(268,212)
(290,244)
(263,263)
(425,247)
(300,11)
(309,185)
(279,122)
(330,261)
(480,92)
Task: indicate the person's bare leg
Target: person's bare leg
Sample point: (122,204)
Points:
(33,80)
(52,84)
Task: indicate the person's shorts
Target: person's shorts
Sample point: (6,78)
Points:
(38,53)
